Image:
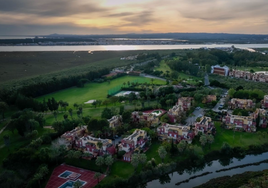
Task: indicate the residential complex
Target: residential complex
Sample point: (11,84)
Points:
(246,123)
(74,134)
(224,71)
(258,76)
(264,102)
(241,103)
(95,146)
(175,132)
(149,118)
(209,99)
(205,126)
(115,121)
(184,104)
(134,141)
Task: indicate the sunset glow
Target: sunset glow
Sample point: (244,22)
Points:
(132,16)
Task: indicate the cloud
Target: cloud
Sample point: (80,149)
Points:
(50,7)
(221,10)
(64,28)
(140,19)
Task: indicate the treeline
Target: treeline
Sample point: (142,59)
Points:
(184,66)
(23,96)
(237,58)
(228,82)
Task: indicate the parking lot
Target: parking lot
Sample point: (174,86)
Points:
(198,112)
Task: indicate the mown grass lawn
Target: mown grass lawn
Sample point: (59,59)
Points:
(94,91)
(92,112)
(235,139)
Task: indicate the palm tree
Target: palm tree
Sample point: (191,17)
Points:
(38,177)
(99,144)
(71,112)
(162,153)
(97,176)
(99,161)
(109,161)
(77,184)
(55,115)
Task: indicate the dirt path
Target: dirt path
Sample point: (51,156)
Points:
(3,129)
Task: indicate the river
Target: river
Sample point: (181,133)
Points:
(124,47)
(175,177)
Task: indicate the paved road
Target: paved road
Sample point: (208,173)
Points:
(220,102)
(151,76)
(192,118)
(206,80)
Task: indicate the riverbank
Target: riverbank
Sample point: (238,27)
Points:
(234,181)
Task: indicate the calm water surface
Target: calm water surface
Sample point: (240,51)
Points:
(212,167)
(124,47)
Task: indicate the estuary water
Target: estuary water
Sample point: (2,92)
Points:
(124,47)
(173,178)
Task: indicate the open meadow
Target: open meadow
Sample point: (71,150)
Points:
(24,65)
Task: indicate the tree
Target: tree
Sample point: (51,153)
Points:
(210,139)
(64,105)
(70,154)
(3,108)
(94,103)
(106,102)
(126,116)
(99,144)
(135,160)
(99,161)
(162,153)
(97,176)
(77,184)
(78,113)
(65,116)
(182,145)
(142,158)
(77,154)
(71,112)
(121,109)
(109,161)
(231,92)
(55,113)
(107,113)
(203,140)
(76,105)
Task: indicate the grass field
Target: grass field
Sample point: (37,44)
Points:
(189,78)
(94,91)
(23,65)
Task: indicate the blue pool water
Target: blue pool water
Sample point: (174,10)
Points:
(69,184)
(65,174)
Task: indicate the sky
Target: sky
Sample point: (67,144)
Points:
(41,17)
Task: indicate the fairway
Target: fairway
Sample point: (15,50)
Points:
(94,91)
